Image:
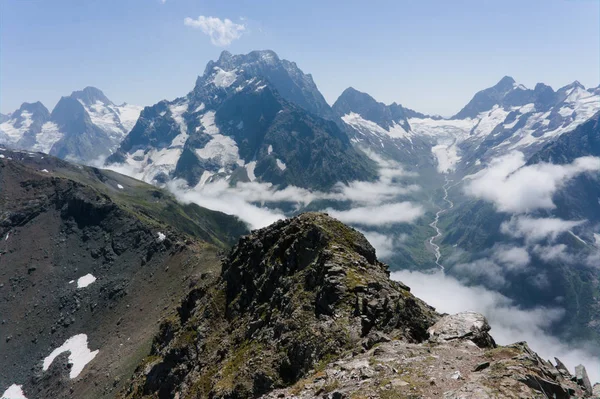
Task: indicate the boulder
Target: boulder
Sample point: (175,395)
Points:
(462,326)
(583,379)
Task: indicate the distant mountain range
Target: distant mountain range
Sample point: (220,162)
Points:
(82,127)
(234,125)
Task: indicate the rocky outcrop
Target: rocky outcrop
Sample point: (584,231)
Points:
(463,326)
(451,369)
(290,298)
(303,309)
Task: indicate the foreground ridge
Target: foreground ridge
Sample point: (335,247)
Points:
(305,304)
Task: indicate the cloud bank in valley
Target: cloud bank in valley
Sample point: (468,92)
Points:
(515,188)
(372,204)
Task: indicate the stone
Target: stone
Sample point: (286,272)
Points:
(583,379)
(481,366)
(465,325)
(596,391)
(560,366)
(398,383)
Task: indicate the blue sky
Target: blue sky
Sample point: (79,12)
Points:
(428,55)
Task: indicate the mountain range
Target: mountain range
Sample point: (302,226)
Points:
(83,127)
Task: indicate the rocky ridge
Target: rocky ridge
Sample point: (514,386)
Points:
(304,309)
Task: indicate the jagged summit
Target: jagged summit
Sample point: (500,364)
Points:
(90,95)
(289,80)
(505,84)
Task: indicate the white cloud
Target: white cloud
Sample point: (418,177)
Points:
(379,215)
(219,198)
(221,31)
(537,229)
(483,269)
(509,322)
(512,257)
(516,188)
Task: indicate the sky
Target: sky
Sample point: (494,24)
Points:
(429,55)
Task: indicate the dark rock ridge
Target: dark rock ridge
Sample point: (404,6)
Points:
(304,309)
(59,222)
(290,296)
(352,100)
(412,150)
(82,139)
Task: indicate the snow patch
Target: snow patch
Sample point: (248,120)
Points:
(200,107)
(250,170)
(14,392)
(120,187)
(79,354)
(270,149)
(44,170)
(47,137)
(161,237)
(86,280)
(222,149)
(224,78)
(364,126)
(280,164)
(177,112)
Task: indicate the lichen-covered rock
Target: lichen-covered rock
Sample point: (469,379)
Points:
(465,325)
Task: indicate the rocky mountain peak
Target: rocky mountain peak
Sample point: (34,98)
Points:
(505,84)
(354,101)
(504,93)
(304,309)
(35,108)
(90,95)
(289,80)
(292,294)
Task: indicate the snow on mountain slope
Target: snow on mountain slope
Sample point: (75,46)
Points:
(521,119)
(115,120)
(364,127)
(86,116)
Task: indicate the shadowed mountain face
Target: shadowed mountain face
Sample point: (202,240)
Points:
(64,226)
(83,126)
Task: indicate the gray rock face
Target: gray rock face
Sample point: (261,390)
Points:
(583,379)
(466,325)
